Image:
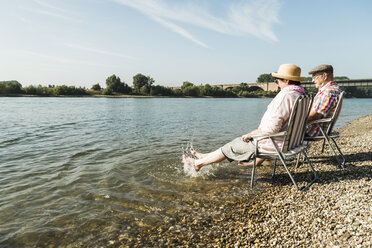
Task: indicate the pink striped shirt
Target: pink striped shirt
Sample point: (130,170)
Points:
(325,103)
(277,115)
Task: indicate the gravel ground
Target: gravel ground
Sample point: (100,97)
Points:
(334,212)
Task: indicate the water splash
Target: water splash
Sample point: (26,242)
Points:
(189,170)
(205,172)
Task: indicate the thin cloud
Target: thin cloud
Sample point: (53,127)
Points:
(48,5)
(255,18)
(248,17)
(178,30)
(60,16)
(95,50)
(52,10)
(159,12)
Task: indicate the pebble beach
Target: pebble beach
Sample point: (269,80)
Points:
(336,211)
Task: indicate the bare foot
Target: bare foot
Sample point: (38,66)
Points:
(196,154)
(259,161)
(190,162)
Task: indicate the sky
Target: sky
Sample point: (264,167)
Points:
(82,42)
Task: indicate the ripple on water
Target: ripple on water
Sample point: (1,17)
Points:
(80,171)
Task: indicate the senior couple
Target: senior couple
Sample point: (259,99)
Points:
(275,119)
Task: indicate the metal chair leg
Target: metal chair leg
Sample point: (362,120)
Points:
(323,145)
(330,145)
(286,168)
(253,171)
(314,172)
(334,152)
(298,160)
(342,155)
(274,169)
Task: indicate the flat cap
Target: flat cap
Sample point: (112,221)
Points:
(322,68)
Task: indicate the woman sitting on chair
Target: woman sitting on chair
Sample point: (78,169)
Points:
(274,120)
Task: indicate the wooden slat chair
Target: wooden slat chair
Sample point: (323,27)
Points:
(293,143)
(328,134)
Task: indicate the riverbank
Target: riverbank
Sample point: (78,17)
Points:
(125,96)
(142,96)
(84,96)
(334,212)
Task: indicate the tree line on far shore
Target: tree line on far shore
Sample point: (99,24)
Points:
(144,86)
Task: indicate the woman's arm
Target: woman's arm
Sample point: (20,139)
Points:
(248,136)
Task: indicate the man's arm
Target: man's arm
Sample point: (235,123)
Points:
(314,116)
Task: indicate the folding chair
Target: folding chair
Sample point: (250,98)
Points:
(328,134)
(293,143)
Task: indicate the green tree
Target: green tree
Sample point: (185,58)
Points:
(186,84)
(309,79)
(311,91)
(114,83)
(245,93)
(107,91)
(341,78)
(177,92)
(191,91)
(159,90)
(359,91)
(30,90)
(141,80)
(96,87)
(265,78)
(236,89)
(254,88)
(243,87)
(65,90)
(206,90)
(219,92)
(144,90)
(10,87)
(39,90)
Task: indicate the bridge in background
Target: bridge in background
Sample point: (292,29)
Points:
(271,86)
(265,86)
(344,83)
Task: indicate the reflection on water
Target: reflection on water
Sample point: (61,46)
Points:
(76,170)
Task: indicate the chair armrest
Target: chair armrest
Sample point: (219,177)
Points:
(320,121)
(263,136)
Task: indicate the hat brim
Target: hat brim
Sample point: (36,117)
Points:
(293,78)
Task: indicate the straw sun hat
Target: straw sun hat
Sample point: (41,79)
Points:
(289,71)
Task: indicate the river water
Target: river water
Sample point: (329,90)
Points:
(76,170)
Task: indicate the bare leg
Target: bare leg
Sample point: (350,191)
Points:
(210,158)
(258,162)
(198,154)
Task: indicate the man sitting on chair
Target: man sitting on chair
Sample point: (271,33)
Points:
(274,120)
(326,99)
